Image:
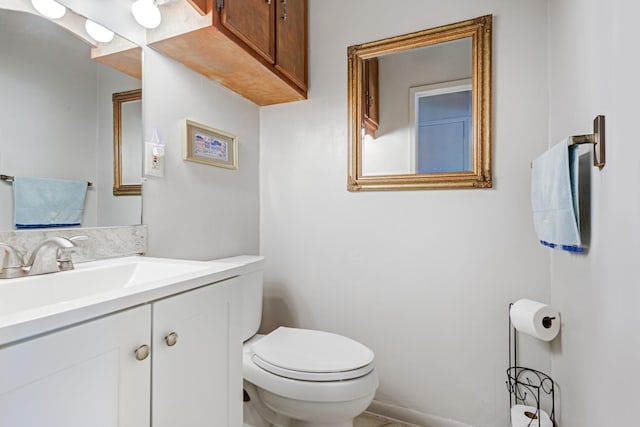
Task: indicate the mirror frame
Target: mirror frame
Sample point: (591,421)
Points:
(120,189)
(480,31)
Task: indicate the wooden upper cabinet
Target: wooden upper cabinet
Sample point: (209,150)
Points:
(291,40)
(257,48)
(253,22)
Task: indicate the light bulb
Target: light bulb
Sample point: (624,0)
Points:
(49,8)
(98,32)
(146,13)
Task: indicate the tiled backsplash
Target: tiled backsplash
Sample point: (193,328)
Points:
(102,242)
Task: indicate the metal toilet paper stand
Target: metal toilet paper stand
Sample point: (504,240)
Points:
(528,386)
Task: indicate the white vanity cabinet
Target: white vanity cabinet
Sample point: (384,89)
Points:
(197,358)
(86,375)
(91,375)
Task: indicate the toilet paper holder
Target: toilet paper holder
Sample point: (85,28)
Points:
(529,387)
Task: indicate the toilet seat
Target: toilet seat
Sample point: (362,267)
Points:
(312,391)
(310,355)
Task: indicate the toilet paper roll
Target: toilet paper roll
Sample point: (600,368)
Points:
(535,319)
(528,416)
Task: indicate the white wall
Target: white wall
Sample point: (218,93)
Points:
(121,210)
(425,277)
(593,69)
(48,114)
(198,211)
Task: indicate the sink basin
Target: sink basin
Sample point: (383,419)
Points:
(90,279)
(39,304)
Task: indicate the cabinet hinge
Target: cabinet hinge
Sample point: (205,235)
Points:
(219,4)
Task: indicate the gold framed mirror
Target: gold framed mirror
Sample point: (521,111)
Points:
(419,109)
(127,143)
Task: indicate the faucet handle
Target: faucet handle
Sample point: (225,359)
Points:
(11,262)
(11,257)
(65,260)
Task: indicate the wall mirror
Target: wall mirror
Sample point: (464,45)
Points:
(127,143)
(420,109)
(56,111)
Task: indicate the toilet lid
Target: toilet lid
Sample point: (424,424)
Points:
(312,355)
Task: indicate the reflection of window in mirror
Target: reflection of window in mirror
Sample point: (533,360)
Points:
(441,130)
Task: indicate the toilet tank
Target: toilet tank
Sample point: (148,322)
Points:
(251,284)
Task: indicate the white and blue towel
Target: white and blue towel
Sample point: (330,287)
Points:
(554,197)
(40,202)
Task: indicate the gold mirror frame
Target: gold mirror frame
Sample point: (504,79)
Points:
(120,189)
(479,30)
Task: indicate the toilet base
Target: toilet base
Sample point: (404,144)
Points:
(266,409)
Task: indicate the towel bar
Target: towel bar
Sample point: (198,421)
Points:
(596,138)
(9,178)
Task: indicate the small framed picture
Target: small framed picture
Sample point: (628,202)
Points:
(210,146)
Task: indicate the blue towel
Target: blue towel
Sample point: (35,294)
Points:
(40,202)
(554,197)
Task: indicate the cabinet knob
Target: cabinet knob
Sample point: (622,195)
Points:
(142,352)
(171,339)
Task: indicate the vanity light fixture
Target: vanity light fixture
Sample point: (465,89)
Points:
(98,32)
(49,8)
(146,13)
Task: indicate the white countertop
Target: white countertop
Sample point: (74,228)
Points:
(32,321)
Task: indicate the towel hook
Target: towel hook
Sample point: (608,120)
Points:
(596,138)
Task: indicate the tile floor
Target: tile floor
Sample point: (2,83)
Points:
(371,420)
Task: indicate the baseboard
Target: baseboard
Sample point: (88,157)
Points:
(411,416)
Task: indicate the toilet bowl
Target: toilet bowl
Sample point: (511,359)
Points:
(308,378)
(300,377)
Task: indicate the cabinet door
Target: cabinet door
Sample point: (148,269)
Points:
(370,101)
(252,21)
(86,375)
(197,381)
(291,40)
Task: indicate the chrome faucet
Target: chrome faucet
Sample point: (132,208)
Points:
(11,262)
(54,254)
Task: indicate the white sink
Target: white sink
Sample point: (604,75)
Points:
(87,279)
(34,304)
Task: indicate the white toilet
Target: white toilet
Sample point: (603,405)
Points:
(300,377)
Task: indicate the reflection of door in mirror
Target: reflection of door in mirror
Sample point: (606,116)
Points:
(127,143)
(440,117)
